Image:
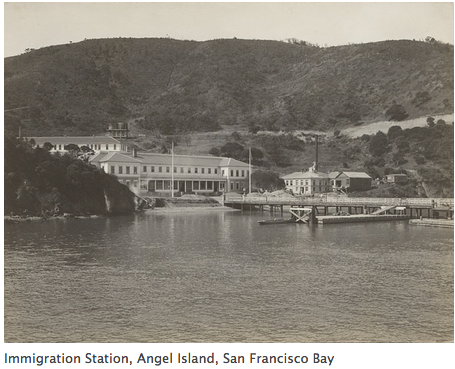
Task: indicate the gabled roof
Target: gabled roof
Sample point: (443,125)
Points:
(354,175)
(119,157)
(229,162)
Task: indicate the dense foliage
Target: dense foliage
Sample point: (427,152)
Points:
(38,183)
(171,86)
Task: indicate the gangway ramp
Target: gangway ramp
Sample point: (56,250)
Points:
(383,209)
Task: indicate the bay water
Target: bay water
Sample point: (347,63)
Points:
(218,276)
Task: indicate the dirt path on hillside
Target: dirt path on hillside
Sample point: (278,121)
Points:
(373,128)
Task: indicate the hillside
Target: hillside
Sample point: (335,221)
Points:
(168,86)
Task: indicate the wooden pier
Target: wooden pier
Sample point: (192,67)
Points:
(400,208)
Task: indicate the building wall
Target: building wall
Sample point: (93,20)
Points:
(198,179)
(351,183)
(308,186)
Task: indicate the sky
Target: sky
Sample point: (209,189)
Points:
(39,24)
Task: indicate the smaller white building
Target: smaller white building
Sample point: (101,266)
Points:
(308,182)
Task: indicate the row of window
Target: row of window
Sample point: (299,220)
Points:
(120,170)
(297,182)
(161,169)
(152,169)
(237,172)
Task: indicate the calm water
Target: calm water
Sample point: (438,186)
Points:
(220,277)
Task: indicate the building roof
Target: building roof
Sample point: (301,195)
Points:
(115,156)
(306,175)
(166,159)
(80,140)
(355,175)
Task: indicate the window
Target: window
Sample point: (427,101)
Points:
(168,169)
(159,185)
(112,169)
(203,185)
(195,170)
(237,173)
(115,146)
(232,185)
(160,169)
(144,168)
(120,169)
(222,172)
(243,173)
(216,171)
(189,170)
(202,171)
(181,169)
(175,169)
(152,169)
(209,170)
(195,185)
(232,172)
(135,171)
(127,170)
(107,146)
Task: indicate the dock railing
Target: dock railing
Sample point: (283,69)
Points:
(343,201)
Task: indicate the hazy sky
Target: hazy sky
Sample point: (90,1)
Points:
(35,25)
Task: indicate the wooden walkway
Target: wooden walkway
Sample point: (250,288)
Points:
(413,207)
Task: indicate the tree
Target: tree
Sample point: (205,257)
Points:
(48,146)
(440,122)
(236,136)
(378,144)
(232,150)
(396,112)
(253,128)
(267,180)
(394,132)
(73,149)
(214,151)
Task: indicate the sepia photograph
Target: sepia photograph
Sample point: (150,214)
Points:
(228,172)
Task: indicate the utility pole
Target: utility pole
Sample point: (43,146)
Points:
(249,172)
(172,169)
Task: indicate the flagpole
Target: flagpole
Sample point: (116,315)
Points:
(249,171)
(172,170)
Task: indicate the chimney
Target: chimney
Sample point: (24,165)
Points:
(134,153)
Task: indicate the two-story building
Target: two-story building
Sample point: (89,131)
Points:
(96,143)
(307,182)
(166,174)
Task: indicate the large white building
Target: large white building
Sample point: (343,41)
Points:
(166,174)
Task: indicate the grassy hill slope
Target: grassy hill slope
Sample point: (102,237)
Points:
(171,86)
